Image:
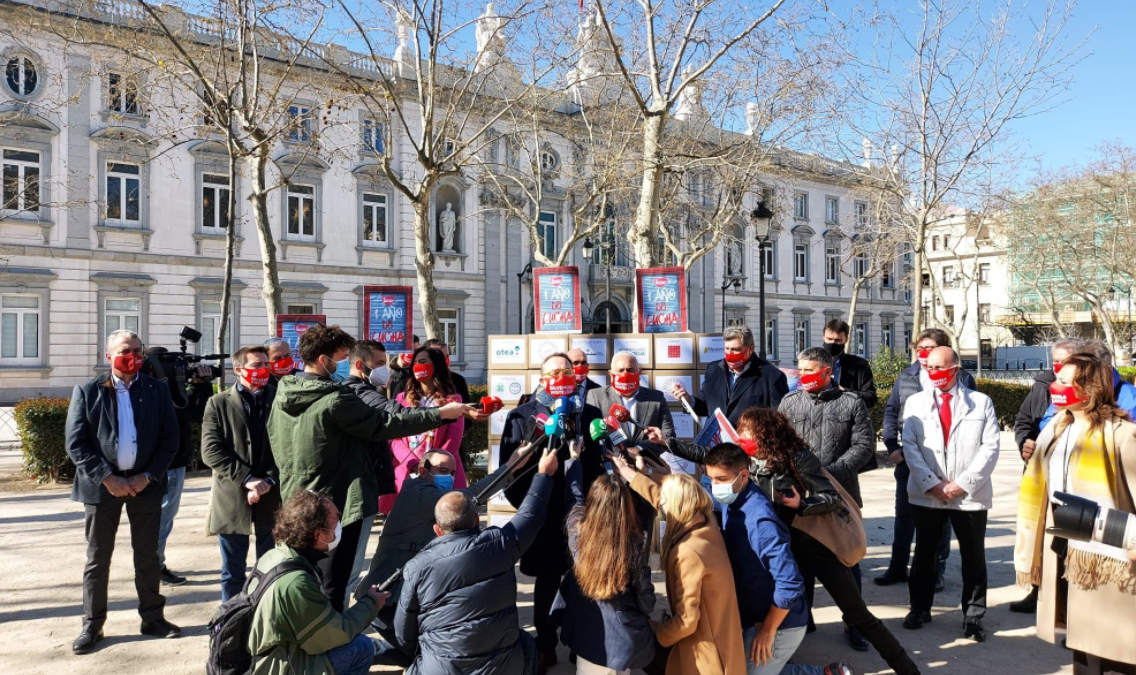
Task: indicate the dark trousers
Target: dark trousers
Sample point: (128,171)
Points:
(544,594)
(335,569)
(101,524)
(904,530)
(815,560)
(234,558)
(810,591)
(970,531)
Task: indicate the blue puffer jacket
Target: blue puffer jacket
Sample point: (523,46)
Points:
(458,608)
(1125,399)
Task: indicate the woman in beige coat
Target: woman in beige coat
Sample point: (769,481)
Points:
(1089,449)
(704,626)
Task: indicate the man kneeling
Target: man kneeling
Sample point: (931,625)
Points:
(458,607)
(295,629)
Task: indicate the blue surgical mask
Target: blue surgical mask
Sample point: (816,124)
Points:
(724,492)
(342,371)
(446,483)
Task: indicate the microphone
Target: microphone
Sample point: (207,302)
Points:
(535,428)
(491,404)
(615,432)
(577,403)
(555,426)
(622,414)
(563,406)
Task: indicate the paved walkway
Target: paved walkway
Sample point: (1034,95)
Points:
(42,554)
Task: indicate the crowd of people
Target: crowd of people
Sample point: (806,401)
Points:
(304,460)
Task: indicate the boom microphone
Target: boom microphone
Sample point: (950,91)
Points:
(622,414)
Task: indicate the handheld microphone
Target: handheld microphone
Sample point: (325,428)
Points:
(391,581)
(598,431)
(562,406)
(535,429)
(577,403)
(622,414)
(491,404)
(555,426)
(615,435)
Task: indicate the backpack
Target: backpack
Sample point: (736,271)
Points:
(229,628)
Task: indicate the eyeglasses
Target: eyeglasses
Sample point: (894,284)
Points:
(562,371)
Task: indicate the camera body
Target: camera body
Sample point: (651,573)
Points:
(176,368)
(1079,519)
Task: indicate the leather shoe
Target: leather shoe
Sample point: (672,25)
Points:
(545,660)
(915,619)
(975,631)
(160,628)
(855,639)
(171,579)
(86,641)
(1027,605)
(890,578)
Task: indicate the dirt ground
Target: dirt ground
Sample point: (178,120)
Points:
(42,553)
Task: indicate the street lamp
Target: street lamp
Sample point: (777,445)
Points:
(521,297)
(762,218)
(736,282)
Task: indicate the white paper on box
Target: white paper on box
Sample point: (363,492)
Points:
(594,348)
(684,425)
(507,387)
(494,454)
(534,381)
(542,347)
(711,348)
(499,519)
(677,351)
(598,378)
(664,383)
(507,351)
(640,347)
(497,422)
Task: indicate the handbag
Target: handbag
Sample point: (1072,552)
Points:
(841,531)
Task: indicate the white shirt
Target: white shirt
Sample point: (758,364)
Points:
(1059,459)
(127,431)
(629,403)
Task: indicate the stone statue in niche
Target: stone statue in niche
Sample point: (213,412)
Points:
(448,227)
(735,259)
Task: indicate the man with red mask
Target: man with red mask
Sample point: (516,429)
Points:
(234,444)
(739,381)
(950,442)
(647,407)
(280,359)
(581,368)
(122,434)
(836,425)
(548,559)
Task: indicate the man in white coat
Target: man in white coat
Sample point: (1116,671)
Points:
(950,442)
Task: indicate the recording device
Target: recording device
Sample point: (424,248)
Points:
(390,581)
(491,404)
(622,414)
(598,430)
(175,366)
(615,432)
(1079,519)
(563,407)
(577,403)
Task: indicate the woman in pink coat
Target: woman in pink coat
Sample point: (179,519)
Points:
(431,387)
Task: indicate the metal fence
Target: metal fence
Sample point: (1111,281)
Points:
(9,435)
(1009,376)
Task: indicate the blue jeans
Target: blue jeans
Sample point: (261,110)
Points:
(353,658)
(170,505)
(234,559)
(904,533)
(784,646)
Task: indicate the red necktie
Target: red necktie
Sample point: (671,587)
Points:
(945,418)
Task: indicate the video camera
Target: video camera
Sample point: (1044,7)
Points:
(1079,519)
(175,366)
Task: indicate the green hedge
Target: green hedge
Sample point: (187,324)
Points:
(42,424)
(1128,373)
(475,440)
(1008,399)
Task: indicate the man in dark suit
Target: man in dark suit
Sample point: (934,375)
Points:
(459,382)
(580,366)
(647,406)
(548,558)
(122,434)
(852,373)
(739,381)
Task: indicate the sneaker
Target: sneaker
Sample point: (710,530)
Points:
(890,578)
(855,639)
(86,641)
(1027,605)
(171,579)
(839,668)
(160,628)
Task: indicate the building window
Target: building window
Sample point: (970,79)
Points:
(214,202)
(984,274)
(906,335)
(949,314)
(801,341)
(19,329)
(546,232)
(374,136)
(948,276)
(832,265)
(887,279)
(862,218)
(300,308)
(801,262)
(123,202)
(935,243)
(123,314)
(861,265)
(886,336)
(986,349)
(771,339)
(946,242)
(861,332)
(832,210)
(211,324)
(549,161)
(801,205)
(301,213)
(122,94)
(21,76)
(21,180)
(770,253)
(375,219)
(450,319)
(301,116)
(984,313)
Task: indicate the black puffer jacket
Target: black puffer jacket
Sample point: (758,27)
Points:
(458,607)
(380,450)
(1027,425)
(836,426)
(905,385)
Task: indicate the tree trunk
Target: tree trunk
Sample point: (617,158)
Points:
(856,286)
(424,268)
(1106,324)
(917,312)
(259,199)
(640,234)
(226,286)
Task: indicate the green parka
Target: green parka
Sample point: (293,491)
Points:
(321,435)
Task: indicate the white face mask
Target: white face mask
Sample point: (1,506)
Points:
(338,535)
(379,376)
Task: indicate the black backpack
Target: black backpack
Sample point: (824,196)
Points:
(229,628)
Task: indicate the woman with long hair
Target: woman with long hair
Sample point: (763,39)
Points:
(430,386)
(793,479)
(607,596)
(1088,450)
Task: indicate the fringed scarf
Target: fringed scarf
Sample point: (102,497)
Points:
(1091,473)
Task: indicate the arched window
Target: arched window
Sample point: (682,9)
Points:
(21,75)
(600,315)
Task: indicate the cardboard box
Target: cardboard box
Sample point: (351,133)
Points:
(663,379)
(639,345)
(598,378)
(710,349)
(675,350)
(508,352)
(541,345)
(498,502)
(497,422)
(597,347)
(508,386)
(684,425)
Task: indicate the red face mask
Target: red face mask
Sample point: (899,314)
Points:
(282,367)
(1057,368)
(626,383)
(423,371)
(581,373)
(127,363)
(815,381)
(923,355)
(1063,395)
(560,385)
(447,361)
(748,445)
(739,357)
(257,377)
(941,379)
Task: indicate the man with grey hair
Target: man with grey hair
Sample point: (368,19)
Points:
(646,406)
(122,434)
(280,360)
(739,381)
(458,607)
(1123,392)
